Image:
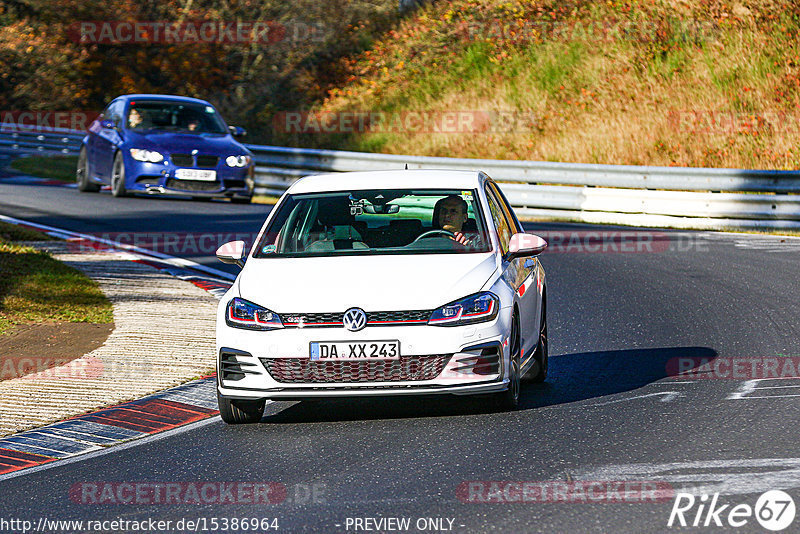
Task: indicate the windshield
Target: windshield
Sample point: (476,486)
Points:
(374,222)
(174,117)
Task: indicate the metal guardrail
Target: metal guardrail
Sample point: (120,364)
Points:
(616,194)
(54,140)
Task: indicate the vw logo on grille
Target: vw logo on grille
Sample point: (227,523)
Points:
(354,319)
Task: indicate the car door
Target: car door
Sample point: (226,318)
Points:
(520,273)
(107,140)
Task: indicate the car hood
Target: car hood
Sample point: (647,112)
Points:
(171,142)
(374,283)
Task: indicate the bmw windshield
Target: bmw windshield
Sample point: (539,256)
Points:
(181,117)
(372,222)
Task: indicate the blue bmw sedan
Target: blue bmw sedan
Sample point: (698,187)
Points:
(161,144)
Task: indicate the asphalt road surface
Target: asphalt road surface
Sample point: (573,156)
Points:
(621,318)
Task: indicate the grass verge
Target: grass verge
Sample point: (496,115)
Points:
(35,288)
(633,82)
(53,167)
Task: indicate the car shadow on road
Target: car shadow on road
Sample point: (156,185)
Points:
(593,375)
(572,378)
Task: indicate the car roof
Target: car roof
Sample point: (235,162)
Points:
(400,179)
(166,98)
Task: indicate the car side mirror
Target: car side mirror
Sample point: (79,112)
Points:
(237,131)
(107,124)
(523,245)
(232,252)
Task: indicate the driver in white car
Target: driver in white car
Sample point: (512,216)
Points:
(450,214)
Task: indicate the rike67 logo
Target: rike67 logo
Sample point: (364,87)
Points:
(774,510)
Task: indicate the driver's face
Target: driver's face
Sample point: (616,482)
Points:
(452,216)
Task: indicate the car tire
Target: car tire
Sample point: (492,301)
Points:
(118,177)
(240,412)
(509,399)
(538,373)
(82,174)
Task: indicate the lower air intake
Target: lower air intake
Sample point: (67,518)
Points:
(303,370)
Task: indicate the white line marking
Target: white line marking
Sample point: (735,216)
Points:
(746,388)
(667,397)
(770,396)
(773,473)
(172,260)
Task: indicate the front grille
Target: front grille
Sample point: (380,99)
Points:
(192,185)
(385,318)
(182,160)
(187,160)
(312,319)
(207,161)
(399,316)
(303,370)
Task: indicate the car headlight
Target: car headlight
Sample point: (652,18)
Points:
(139,154)
(238,161)
(476,308)
(244,314)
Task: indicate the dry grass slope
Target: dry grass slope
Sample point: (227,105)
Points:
(712,83)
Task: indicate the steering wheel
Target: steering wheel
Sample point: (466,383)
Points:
(431,233)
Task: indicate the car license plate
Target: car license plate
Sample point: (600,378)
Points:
(355,350)
(196,174)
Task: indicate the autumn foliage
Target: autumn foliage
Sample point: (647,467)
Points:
(44,67)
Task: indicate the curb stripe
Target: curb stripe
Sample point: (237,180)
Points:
(11,460)
(163,411)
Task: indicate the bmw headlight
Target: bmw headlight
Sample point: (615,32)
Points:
(476,308)
(244,314)
(238,161)
(150,156)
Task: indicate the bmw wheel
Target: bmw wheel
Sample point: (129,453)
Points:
(238,412)
(118,177)
(82,174)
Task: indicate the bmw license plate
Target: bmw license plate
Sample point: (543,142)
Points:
(195,174)
(355,350)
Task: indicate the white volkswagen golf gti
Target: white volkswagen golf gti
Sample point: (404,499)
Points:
(383,283)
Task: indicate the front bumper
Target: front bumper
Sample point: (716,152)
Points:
(159,178)
(465,350)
